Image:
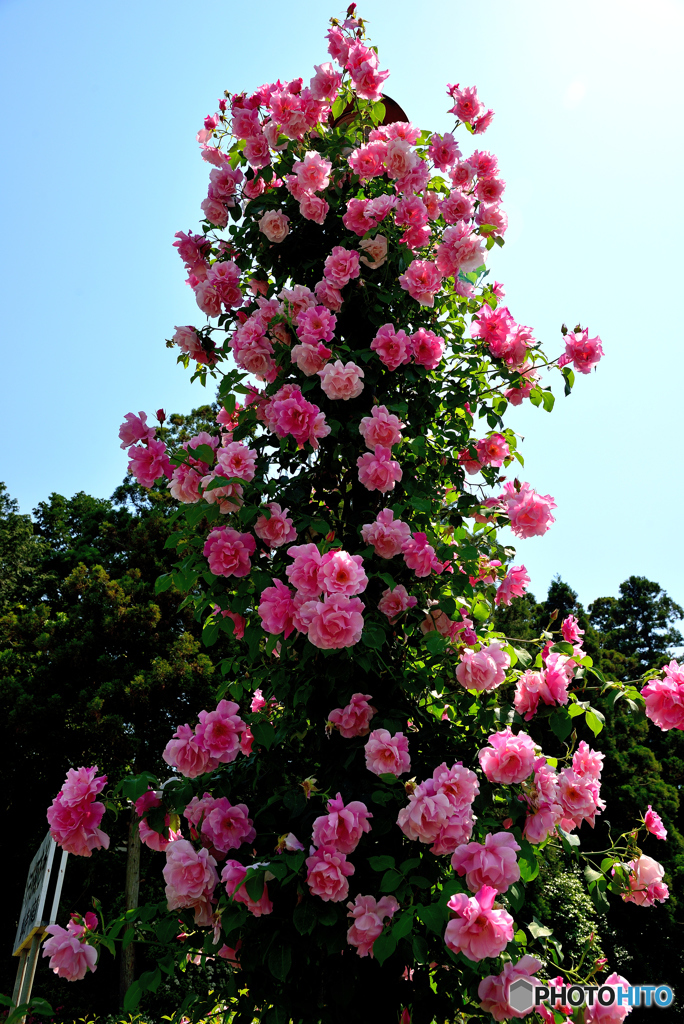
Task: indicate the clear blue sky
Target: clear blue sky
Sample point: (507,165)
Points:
(101,103)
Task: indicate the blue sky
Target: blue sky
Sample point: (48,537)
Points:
(101,106)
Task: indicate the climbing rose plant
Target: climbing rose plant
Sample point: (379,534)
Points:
(382,772)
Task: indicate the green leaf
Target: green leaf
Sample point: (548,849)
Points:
(205,453)
(433,917)
(391,880)
(527,862)
(435,642)
(264,734)
(378,111)
(382,863)
(384,946)
(304,918)
(538,930)
(524,657)
(594,720)
(561,723)
(132,997)
(403,925)
(516,896)
(548,400)
(591,874)
(254,883)
(420,949)
(280,961)
(563,647)
(163,583)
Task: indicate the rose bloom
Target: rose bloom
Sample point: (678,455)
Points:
(342,827)
(74,815)
(514,584)
(654,824)
(310,358)
(337,622)
(316,323)
(422,281)
(484,669)
(579,799)
(420,556)
(664,698)
(70,958)
(278,529)
(443,151)
(381,427)
(190,875)
(394,602)
(427,348)
(510,758)
(387,753)
(342,573)
(387,534)
(313,171)
(276,609)
(493,864)
(368,921)
(341,381)
(150,463)
(234,875)
(185,753)
(529,512)
(582,351)
(218,732)
(229,552)
(327,873)
(646,882)
(393,347)
(494,989)
(155,840)
(314,208)
(614,1014)
(134,429)
(353,720)
(236,459)
(227,826)
(341,266)
(275,225)
(479,931)
(374,252)
(378,472)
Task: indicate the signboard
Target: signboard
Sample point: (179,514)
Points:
(35,893)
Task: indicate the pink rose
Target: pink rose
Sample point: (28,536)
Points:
(582,351)
(327,873)
(303,573)
(277,529)
(614,1014)
(341,266)
(654,824)
(150,463)
(514,584)
(484,669)
(664,698)
(342,827)
(313,208)
(367,162)
(443,151)
(509,759)
(646,885)
(341,380)
(190,876)
(422,281)
(493,864)
(288,412)
(236,459)
(316,323)
(368,921)
(479,931)
(393,347)
(579,797)
(439,810)
(75,814)
(310,358)
(276,609)
(218,732)
(494,989)
(325,83)
(215,212)
(70,958)
(386,753)
(229,552)
(337,622)
(185,753)
(387,534)
(529,512)
(374,252)
(394,602)
(353,719)
(342,573)
(381,427)
(420,556)
(234,875)
(328,295)
(227,826)
(427,348)
(190,342)
(467,106)
(154,840)
(275,225)
(378,472)
(134,429)
(313,172)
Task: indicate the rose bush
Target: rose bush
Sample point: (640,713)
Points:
(337,536)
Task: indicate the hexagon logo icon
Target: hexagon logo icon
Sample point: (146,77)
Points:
(521,995)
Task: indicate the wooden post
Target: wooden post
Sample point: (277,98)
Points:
(127,972)
(29,972)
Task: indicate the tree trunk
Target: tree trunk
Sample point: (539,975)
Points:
(127,972)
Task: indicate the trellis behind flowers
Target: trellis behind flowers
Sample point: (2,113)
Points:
(383,770)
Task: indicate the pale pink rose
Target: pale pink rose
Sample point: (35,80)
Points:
(235,459)
(529,512)
(218,732)
(134,429)
(428,813)
(492,220)
(387,534)
(190,875)
(327,873)
(614,1014)
(341,266)
(646,882)
(579,798)
(341,380)
(422,281)
(493,863)
(276,609)
(353,719)
(367,162)
(190,342)
(582,351)
(386,753)
(70,958)
(420,556)
(227,826)
(443,151)
(277,529)
(342,827)
(587,762)
(185,753)
(257,152)
(530,688)
(275,225)
(337,622)
(493,990)
(654,824)
(75,814)
(460,250)
(374,252)
(342,573)
(313,172)
(298,299)
(228,552)
(328,295)
(514,584)
(325,83)
(427,348)
(479,931)
(492,450)
(484,669)
(253,187)
(368,921)
(379,471)
(314,208)
(234,874)
(457,207)
(310,358)
(509,759)
(215,212)
(149,464)
(393,347)
(368,81)
(467,106)
(303,573)
(185,484)
(381,427)
(394,602)
(664,698)
(400,158)
(571,631)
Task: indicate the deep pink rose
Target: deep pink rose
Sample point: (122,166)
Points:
(342,827)
(582,351)
(342,573)
(353,720)
(75,814)
(420,556)
(654,824)
(134,429)
(303,573)
(150,463)
(514,584)
(276,609)
(427,348)
(234,874)
(229,552)
(494,989)
(664,698)
(422,281)
(218,732)
(529,512)
(336,622)
(227,826)
(394,602)
(393,347)
(341,266)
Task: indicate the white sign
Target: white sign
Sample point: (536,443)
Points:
(31,917)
